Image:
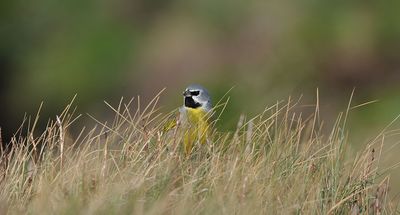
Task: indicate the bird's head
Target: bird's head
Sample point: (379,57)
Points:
(196,96)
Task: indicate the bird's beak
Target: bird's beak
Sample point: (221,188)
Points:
(186,93)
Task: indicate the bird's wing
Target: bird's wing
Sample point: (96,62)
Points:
(172,121)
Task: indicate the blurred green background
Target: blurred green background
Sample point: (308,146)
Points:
(268,50)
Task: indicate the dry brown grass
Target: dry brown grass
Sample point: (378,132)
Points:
(275,163)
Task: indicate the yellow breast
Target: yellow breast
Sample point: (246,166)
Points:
(197,130)
(196,116)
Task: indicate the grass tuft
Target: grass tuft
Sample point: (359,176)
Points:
(278,162)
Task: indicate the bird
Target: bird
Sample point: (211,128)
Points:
(194,116)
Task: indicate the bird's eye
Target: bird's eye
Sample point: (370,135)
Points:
(195,93)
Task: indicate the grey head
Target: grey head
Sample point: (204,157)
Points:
(195,96)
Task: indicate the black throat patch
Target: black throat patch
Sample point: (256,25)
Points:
(189,102)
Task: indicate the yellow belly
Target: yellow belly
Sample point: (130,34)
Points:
(197,128)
